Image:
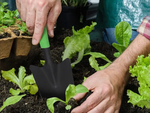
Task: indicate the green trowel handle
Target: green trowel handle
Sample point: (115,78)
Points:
(44,42)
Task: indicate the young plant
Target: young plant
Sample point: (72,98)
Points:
(79,43)
(123,33)
(24,83)
(23,28)
(93,62)
(7,17)
(142,71)
(71,91)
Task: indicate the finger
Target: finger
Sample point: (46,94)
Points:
(40,22)
(30,18)
(79,96)
(52,18)
(23,10)
(101,107)
(18,5)
(92,101)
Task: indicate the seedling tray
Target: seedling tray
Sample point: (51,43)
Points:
(15,41)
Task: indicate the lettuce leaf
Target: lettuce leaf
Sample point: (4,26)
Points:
(78,43)
(142,71)
(25,83)
(123,33)
(11,100)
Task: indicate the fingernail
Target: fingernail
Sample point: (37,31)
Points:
(34,41)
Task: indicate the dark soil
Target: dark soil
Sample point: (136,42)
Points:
(17,32)
(4,35)
(37,104)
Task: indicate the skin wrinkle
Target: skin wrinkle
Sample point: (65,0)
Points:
(30,19)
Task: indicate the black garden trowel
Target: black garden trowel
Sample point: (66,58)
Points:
(52,79)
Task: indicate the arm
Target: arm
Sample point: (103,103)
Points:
(139,46)
(107,85)
(37,13)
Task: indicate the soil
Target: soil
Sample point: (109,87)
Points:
(5,35)
(37,104)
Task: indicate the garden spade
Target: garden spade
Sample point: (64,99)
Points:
(52,79)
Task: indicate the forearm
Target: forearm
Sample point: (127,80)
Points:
(140,45)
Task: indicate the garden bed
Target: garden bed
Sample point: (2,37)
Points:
(37,104)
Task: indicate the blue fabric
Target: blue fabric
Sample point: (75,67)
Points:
(11,4)
(109,35)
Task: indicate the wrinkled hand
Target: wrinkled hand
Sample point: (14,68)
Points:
(37,13)
(107,91)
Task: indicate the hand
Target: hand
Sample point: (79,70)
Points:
(38,13)
(107,91)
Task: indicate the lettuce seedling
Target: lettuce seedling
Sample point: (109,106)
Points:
(79,43)
(23,28)
(25,84)
(123,33)
(71,91)
(7,17)
(142,71)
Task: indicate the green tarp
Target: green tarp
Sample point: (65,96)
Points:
(111,12)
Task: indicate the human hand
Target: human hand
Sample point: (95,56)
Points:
(107,91)
(38,13)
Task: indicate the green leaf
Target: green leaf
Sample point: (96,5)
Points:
(80,56)
(29,80)
(119,47)
(21,75)
(123,32)
(93,63)
(42,62)
(10,75)
(11,100)
(30,84)
(68,107)
(98,55)
(15,92)
(25,83)
(137,99)
(81,89)
(84,79)
(50,103)
(70,92)
(78,43)
(142,71)
(103,67)
(33,89)
(117,54)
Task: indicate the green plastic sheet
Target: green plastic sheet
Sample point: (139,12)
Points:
(111,12)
